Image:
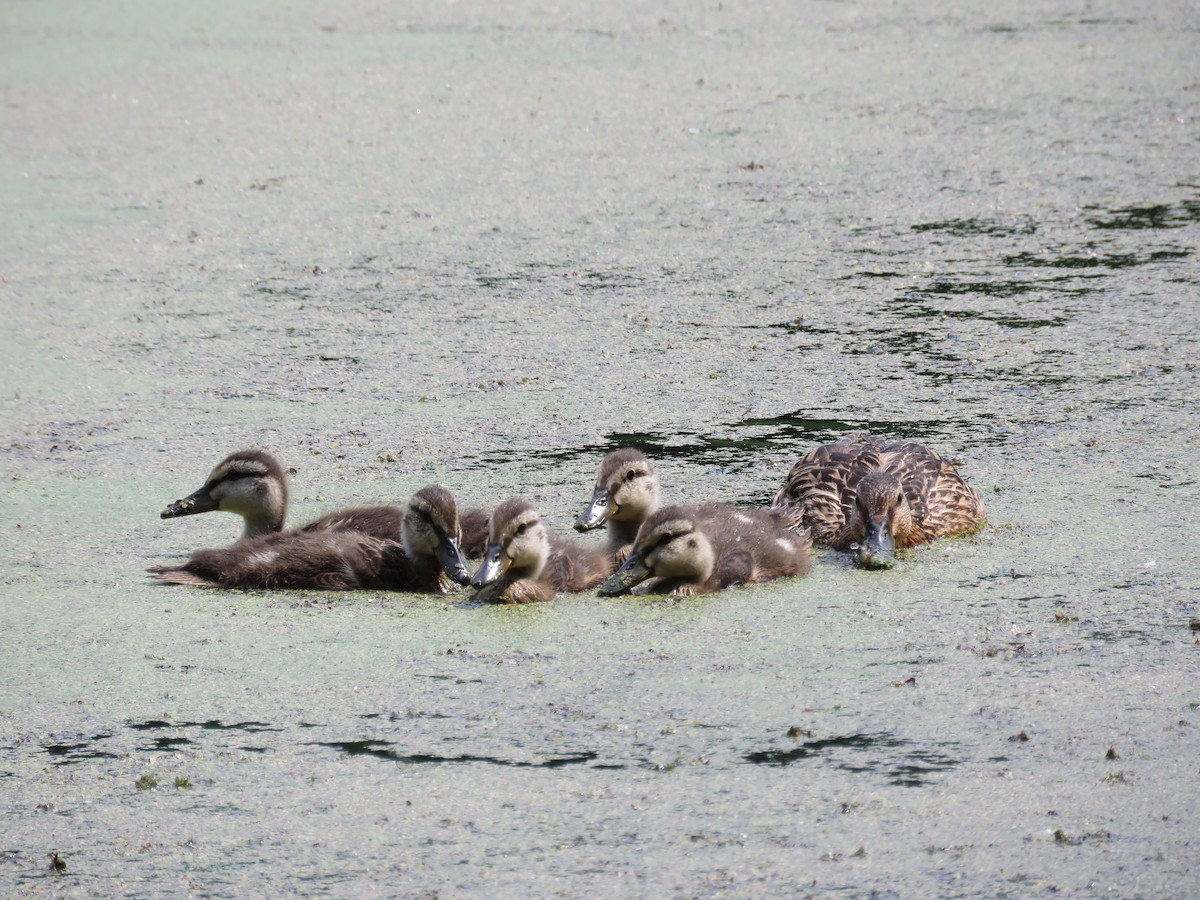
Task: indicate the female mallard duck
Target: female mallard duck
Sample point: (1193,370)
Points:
(251,484)
(339,559)
(626,493)
(701,549)
(874,496)
(525,564)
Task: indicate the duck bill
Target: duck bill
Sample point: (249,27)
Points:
(626,578)
(454,564)
(494,564)
(596,512)
(197,502)
(878,550)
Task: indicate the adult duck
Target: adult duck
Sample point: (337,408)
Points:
(872,496)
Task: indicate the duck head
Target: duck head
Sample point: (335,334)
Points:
(670,544)
(249,483)
(430,528)
(626,490)
(881,507)
(517,541)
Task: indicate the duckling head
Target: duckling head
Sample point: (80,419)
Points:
(670,544)
(881,505)
(626,490)
(517,541)
(249,483)
(430,529)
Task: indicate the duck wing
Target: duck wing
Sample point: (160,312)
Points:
(942,504)
(572,567)
(823,483)
(382,522)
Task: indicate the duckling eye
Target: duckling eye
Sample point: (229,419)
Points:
(521,528)
(630,475)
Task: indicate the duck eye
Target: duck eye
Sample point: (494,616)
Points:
(630,475)
(521,528)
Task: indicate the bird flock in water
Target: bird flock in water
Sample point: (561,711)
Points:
(860,494)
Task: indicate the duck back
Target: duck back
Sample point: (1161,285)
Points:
(317,560)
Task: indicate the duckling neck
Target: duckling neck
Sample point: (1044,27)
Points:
(264,523)
(621,533)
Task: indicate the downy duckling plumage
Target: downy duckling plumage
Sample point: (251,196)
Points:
(701,549)
(873,496)
(524,563)
(626,493)
(252,484)
(428,556)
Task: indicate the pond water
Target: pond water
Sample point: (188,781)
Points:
(485,244)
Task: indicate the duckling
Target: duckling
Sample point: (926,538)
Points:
(872,496)
(427,554)
(626,493)
(251,483)
(525,564)
(702,549)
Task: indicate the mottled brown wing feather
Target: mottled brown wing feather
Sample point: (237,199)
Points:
(942,504)
(822,484)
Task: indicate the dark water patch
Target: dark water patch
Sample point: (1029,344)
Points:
(1110,261)
(1001,289)
(77,748)
(913,769)
(250,749)
(412,713)
(208,725)
(918,307)
(793,428)
(1150,216)
(285,291)
(451,678)
(383,750)
(798,325)
(868,274)
(167,743)
(540,274)
(978,227)
(729,453)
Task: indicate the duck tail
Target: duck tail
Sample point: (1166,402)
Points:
(171,575)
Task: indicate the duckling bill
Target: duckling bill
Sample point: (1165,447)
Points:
(702,549)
